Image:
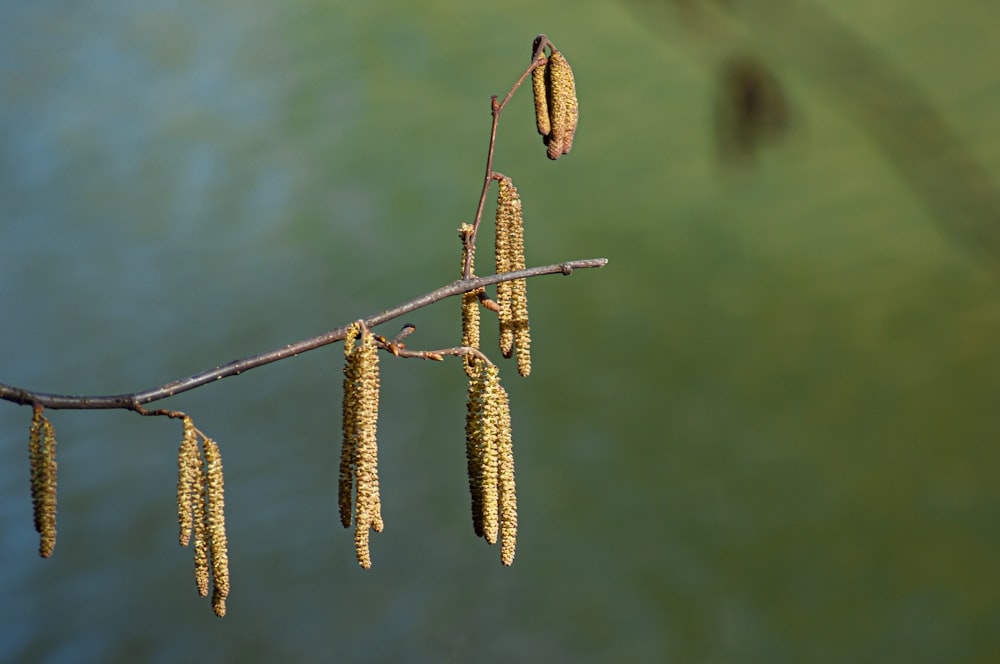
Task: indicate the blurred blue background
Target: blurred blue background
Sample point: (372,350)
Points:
(766,432)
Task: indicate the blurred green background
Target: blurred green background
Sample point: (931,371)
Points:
(766,432)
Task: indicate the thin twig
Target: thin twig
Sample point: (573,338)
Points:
(135,400)
(437,354)
(496,109)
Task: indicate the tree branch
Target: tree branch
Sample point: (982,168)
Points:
(135,400)
(496,108)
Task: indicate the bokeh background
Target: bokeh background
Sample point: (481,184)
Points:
(766,432)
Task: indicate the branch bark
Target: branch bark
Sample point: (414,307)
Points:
(135,400)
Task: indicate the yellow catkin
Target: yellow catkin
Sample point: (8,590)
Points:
(37,466)
(470,305)
(368,502)
(199,519)
(519,291)
(512,296)
(201,540)
(187,488)
(508,494)
(563,106)
(541,102)
(42,455)
(522,341)
(216,510)
(522,329)
(349,446)
(470,326)
(473,443)
(509,257)
(47,543)
(361,546)
(489,454)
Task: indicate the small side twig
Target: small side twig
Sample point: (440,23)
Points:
(537,58)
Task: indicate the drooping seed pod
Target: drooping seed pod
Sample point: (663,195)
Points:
(188,462)
(215,505)
(508,494)
(563,106)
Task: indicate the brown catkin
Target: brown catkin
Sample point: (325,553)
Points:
(473,442)
(470,304)
(216,509)
(538,76)
(563,105)
(47,543)
(188,461)
(37,466)
(42,456)
(349,446)
(508,494)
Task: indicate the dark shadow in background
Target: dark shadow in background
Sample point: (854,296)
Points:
(799,36)
(751,110)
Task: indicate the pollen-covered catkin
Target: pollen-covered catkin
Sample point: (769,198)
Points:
(216,508)
(508,494)
(201,536)
(349,445)
(473,442)
(470,304)
(538,76)
(42,456)
(519,295)
(509,257)
(512,296)
(484,426)
(470,325)
(47,543)
(563,105)
(367,514)
(489,454)
(188,461)
(522,329)
(37,461)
